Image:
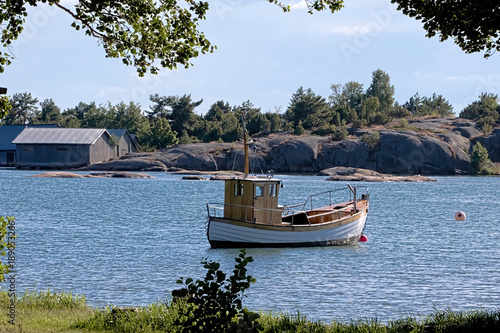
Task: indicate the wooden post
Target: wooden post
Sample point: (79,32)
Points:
(245,143)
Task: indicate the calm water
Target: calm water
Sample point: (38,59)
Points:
(127,241)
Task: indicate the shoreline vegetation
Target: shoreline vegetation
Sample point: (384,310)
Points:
(214,304)
(49,311)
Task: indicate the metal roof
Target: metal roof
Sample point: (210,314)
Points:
(9,132)
(118,132)
(68,136)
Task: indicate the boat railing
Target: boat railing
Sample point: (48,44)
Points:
(309,203)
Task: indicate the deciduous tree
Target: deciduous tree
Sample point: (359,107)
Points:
(345,101)
(138,32)
(382,89)
(473,25)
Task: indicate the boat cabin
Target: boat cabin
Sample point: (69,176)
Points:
(252,199)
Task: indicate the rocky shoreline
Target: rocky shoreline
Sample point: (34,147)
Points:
(363,175)
(428,146)
(63,174)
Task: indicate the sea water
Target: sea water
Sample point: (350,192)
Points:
(127,241)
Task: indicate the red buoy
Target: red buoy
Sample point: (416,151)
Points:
(460,216)
(363,238)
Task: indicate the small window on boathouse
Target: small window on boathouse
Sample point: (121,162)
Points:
(238,189)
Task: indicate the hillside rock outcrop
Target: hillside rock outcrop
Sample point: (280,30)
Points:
(425,146)
(398,152)
(409,153)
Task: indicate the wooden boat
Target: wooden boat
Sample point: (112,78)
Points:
(251,216)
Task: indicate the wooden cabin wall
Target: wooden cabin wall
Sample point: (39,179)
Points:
(101,150)
(267,205)
(51,155)
(262,209)
(232,201)
(7,158)
(126,145)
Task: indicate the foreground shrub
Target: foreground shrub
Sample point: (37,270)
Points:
(215,303)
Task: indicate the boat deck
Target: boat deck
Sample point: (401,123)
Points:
(325,214)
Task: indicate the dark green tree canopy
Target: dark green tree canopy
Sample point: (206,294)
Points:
(308,108)
(437,105)
(485,111)
(24,109)
(474,25)
(144,34)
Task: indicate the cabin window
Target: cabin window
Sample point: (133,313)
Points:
(62,149)
(238,189)
(272,190)
(28,148)
(259,191)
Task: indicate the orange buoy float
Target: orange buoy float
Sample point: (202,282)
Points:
(363,238)
(460,216)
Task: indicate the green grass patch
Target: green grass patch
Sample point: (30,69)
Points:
(44,311)
(490,169)
(157,317)
(47,311)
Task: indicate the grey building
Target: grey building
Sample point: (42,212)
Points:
(7,149)
(126,142)
(59,148)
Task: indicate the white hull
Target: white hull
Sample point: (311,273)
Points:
(228,233)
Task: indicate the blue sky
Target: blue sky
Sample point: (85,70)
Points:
(263,56)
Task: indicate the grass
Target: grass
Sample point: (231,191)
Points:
(46,311)
(490,169)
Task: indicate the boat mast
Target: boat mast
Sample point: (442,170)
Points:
(245,144)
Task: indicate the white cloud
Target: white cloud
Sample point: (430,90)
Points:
(350,30)
(299,6)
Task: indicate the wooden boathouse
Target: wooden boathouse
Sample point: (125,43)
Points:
(7,149)
(58,148)
(126,142)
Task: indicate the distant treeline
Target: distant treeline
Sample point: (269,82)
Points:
(174,119)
